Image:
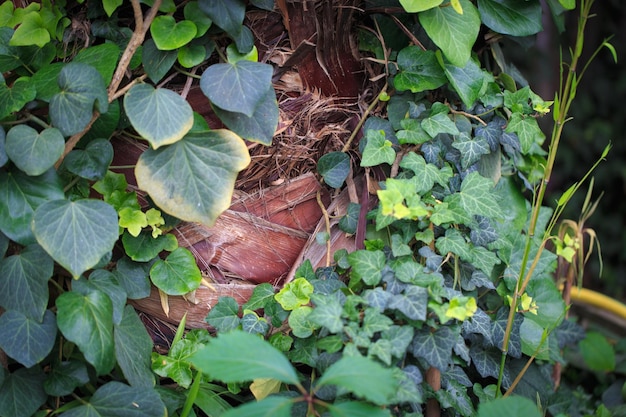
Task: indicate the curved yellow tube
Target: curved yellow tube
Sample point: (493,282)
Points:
(586,296)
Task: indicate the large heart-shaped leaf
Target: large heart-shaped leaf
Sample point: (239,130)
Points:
(31,31)
(168,34)
(106,282)
(65,376)
(20,195)
(193,179)
(177,274)
(227,14)
(15,98)
(34,152)
(77,234)
(22,392)
(133,347)
(452,32)
(26,340)
(82,87)
(260,127)
(120,400)
(237,87)
(160,116)
(102,57)
(91,163)
(24,283)
(87,321)
(334,167)
(511,17)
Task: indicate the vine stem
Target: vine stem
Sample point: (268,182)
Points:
(563,100)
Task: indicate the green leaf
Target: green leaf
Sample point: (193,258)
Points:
(327,311)
(227,14)
(516,406)
(356,409)
(419,70)
(439,123)
(511,17)
(378,150)
(471,148)
(469,81)
(82,88)
(412,132)
(191,55)
(261,126)
(484,259)
(26,340)
(597,352)
(144,247)
(20,195)
(527,129)
(252,323)
(426,174)
(110,6)
(89,231)
(177,274)
(294,294)
(31,31)
(550,305)
(21,392)
(34,152)
(65,377)
(193,179)
(435,347)
(176,364)
(15,98)
(118,399)
(452,32)
(238,357)
(238,87)
(24,283)
(155,62)
(367,265)
(87,321)
(169,34)
(193,13)
(91,163)
(159,115)
(224,316)
(413,302)
(262,295)
(105,281)
(453,241)
(102,57)
(477,197)
(334,167)
(363,377)
(275,406)
(134,278)
(350,221)
(415,6)
(298,321)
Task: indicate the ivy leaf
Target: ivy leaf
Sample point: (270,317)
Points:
(82,87)
(327,311)
(91,163)
(356,409)
(471,149)
(238,87)
(550,305)
(492,132)
(102,57)
(454,242)
(516,406)
(477,197)
(261,126)
(159,115)
(298,320)
(435,347)
(87,321)
(238,357)
(155,62)
(224,316)
(34,152)
(334,168)
(569,332)
(294,294)
(469,81)
(377,297)
(511,17)
(378,150)
(374,321)
(454,33)
(427,174)
(169,34)
(252,323)
(412,132)
(104,281)
(350,221)
(144,247)
(31,31)
(24,284)
(419,70)
(193,179)
(415,6)
(133,346)
(65,377)
(177,274)
(21,392)
(227,14)
(412,302)
(484,260)
(363,377)
(527,130)
(262,295)
(275,406)
(26,340)
(367,265)
(15,98)
(176,364)
(134,278)
(193,13)
(439,123)
(400,338)
(499,329)
(89,227)
(118,399)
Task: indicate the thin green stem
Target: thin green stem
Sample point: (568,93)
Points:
(192,395)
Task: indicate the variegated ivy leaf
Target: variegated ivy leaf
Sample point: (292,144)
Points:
(477,197)
(426,174)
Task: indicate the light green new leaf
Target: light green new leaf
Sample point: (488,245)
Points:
(22,392)
(133,347)
(89,230)
(160,116)
(378,150)
(20,195)
(527,129)
(511,17)
(169,34)
(177,274)
(227,14)
(26,340)
(267,407)
(87,321)
(31,31)
(452,32)
(334,167)
(82,87)
(261,126)
(415,6)
(237,87)
(102,57)
(92,162)
(34,152)
(118,399)
(363,377)
(24,283)
(193,179)
(110,6)
(238,357)
(367,265)
(469,81)
(15,98)
(294,294)
(477,198)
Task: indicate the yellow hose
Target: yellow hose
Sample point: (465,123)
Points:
(589,297)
